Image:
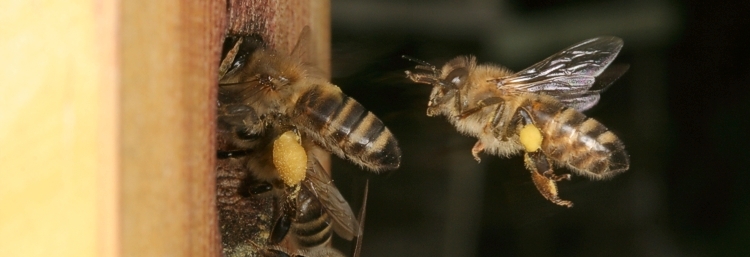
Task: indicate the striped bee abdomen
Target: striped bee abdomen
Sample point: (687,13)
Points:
(346,128)
(581,143)
(313,225)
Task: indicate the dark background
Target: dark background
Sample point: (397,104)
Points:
(682,111)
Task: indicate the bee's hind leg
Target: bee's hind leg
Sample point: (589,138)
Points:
(286,216)
(531,138)
(544,177)
(478,148)
(550,174)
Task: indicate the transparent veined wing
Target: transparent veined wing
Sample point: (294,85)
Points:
(571,75)
(320,183)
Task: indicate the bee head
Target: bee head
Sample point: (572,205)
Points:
(444,87)
(453,78)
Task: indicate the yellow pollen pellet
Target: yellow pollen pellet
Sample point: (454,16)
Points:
(290,158)
(531,138)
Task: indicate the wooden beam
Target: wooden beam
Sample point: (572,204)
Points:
(107,113)
(58,128)
(170,51)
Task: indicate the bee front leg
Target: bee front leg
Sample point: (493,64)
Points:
(500,123)
(479,105)
(539,166)
(505,117)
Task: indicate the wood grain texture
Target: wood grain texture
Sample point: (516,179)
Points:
(106,143)
(170,51)
(280,22)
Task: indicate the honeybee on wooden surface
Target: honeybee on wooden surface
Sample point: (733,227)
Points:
(283,89)
(537,110)
(261,214)
(273,109)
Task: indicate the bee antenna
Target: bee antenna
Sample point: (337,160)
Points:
(417,60)
(423,65)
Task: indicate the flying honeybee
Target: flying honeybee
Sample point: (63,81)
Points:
(273,108)
(537,110)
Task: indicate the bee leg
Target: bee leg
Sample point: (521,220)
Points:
(478,148)
(503,119)
(287,216)
(551,175)
(531,138)
(489,101)
(280,229)
(419,77)
(536,162)
(499,124)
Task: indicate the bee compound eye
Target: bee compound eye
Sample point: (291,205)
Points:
(458,76)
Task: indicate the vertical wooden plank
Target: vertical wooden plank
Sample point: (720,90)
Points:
(76,165)
(57,128)
(202,39)
(170,51)
(108,179)
(154,211)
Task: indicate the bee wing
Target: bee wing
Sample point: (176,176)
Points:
(240,91)
(570,74)
(301,50)
(318,182)
(580,102)
(585,100)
